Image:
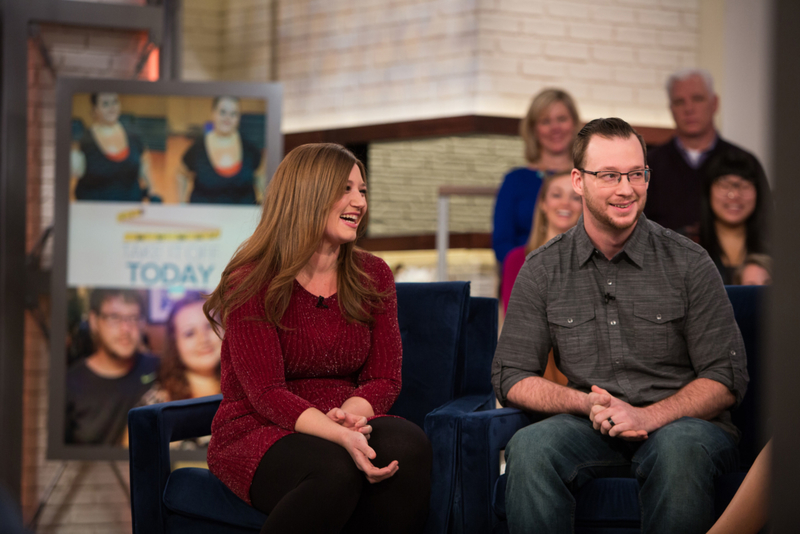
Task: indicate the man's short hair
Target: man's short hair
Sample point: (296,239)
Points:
(683,74)
(608,128)
(99,296)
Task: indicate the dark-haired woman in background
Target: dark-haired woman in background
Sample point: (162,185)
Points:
(311,361)
(736,208)
(221,167)
(109,163)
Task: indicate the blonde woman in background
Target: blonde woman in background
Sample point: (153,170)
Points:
(548,131)
(557,210)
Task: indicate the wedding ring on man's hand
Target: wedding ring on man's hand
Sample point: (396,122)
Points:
(611,421)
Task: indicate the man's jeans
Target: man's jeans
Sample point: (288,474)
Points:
(548,463)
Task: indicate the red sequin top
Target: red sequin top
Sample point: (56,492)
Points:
(270,376)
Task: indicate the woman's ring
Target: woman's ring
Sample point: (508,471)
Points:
(611,421)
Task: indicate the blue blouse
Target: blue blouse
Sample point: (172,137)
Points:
(513,210)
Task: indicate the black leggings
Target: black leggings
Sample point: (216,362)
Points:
(310,485)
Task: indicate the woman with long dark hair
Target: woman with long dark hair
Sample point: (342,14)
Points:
(109,162)
(735,213)
(221,167)
(311,361)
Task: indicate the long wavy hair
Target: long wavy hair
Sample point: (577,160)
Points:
(539,105)
(757,231)
(172,372)
(306,185)
(538,235)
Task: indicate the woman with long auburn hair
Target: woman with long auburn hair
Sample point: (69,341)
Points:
(311,360)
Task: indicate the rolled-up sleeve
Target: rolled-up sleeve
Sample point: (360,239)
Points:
(525,340)
(713,339)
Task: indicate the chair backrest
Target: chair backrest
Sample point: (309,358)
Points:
(482,325)
(433,318)
(749,308)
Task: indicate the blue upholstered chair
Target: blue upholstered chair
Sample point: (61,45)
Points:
(448,343)
(608,505)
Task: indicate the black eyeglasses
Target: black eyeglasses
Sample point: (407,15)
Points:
(612,178)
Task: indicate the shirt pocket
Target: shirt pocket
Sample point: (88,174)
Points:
(574,332)
(658,326)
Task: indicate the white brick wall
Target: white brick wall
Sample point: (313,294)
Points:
(353,62)
(612,55)
(203,33)
(347,62)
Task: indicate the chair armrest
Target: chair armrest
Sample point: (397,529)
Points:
(444,432)
(151,429)
(470,436)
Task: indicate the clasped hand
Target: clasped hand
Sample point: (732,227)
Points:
(355,443)
(629,422)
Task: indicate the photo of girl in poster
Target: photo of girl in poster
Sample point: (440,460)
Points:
(109,162)
(190,363)
(221,167)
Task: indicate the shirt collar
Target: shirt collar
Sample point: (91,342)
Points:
(634,247)
(636,244)
(583,245)
(684,152)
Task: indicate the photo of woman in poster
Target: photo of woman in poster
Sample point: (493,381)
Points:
(109,163)
(221,167)
(190,364)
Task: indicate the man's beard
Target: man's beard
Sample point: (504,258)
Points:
(113,354)
(603,218)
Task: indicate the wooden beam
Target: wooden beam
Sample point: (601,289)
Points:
(461,125)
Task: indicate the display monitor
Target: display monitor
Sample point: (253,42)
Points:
(157,185)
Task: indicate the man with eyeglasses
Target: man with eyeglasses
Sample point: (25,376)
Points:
(680,167)
(640,324)
(102,387)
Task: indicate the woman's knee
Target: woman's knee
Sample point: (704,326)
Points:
(401,440)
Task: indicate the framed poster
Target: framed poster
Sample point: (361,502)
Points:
(157,185)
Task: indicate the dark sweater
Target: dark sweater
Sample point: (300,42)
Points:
(674,196)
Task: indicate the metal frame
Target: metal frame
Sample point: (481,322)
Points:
(16,17)
(443,220)
(65,89)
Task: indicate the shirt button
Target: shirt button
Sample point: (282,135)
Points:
(613,323)
(658,316)
(569,320)
(610,282)
(733,353)
(668,232)
(617,361)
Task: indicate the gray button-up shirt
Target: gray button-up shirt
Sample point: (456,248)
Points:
(641,325)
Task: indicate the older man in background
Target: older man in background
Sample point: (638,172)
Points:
(679,167)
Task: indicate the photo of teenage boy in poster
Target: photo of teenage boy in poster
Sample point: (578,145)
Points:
(105,384)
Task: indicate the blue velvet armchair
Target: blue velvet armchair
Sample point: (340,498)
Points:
(479,432)
(448,343)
